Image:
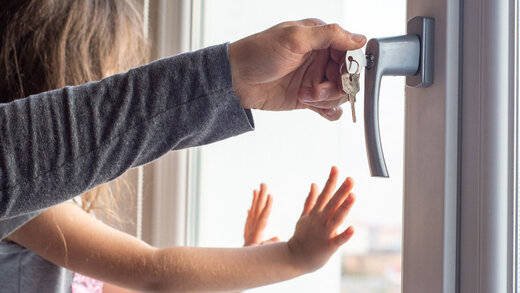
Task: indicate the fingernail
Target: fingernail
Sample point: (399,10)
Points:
(331,112)
(323,95)
(357,38)
(305,95)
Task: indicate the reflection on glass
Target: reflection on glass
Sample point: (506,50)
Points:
(289,151)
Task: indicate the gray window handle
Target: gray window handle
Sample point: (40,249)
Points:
(410,55)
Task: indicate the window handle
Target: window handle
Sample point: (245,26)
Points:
(409,55)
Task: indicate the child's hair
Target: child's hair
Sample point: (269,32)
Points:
(49,44)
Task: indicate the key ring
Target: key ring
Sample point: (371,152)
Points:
(352,61)
(351,57)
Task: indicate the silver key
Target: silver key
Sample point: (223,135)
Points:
(355,61)
(350,84)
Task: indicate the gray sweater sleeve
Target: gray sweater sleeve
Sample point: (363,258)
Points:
(58,144)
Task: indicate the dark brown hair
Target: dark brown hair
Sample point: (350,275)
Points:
(49,44)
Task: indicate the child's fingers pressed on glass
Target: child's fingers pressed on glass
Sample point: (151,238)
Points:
(327,190)
(260,200)
(311,199)
(266,211)
(344,236)
(341,212)
(339,197)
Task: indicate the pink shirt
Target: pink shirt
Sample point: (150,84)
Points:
(84,284)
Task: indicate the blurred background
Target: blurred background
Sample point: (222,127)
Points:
(289,151)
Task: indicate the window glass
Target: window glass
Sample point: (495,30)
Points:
(289,151)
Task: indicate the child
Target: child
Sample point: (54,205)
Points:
(50,44)
(67,236)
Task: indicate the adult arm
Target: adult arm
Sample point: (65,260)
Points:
(59,144)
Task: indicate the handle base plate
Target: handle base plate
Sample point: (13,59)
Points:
(424,28)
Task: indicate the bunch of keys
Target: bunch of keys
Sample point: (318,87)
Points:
(355,61)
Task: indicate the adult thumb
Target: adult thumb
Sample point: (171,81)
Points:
(333,36)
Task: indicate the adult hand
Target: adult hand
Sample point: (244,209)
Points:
(257,217)
(293,65)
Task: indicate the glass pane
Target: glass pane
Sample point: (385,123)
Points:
(289,151)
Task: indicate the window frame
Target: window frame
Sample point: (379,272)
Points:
(170,25)
(430,212)
(488,196)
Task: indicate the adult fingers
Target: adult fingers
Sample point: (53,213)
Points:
(326,105)
(310,22)
(302,22)
(329,114)
(324,197)
(332,73)
(338,56)
(322,92)
(332,36)
(315,73)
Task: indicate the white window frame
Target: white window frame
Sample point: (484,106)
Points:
(430,212)
(460,209)
(488,239)
(171,26)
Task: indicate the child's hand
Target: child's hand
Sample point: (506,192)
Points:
(316,238)
(257,217)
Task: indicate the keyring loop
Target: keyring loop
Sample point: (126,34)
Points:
(351,60)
